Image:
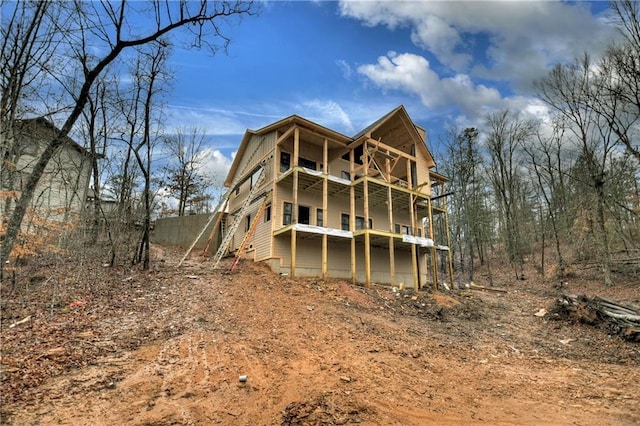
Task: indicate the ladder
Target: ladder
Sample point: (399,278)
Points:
(224,245)
(220,209)
(249,233)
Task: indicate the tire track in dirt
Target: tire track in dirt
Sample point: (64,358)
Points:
(330,353)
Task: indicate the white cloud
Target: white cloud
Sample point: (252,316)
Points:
(519,40)
(345,68)
(412,74)
(327,113)
(215,165)
(217,121)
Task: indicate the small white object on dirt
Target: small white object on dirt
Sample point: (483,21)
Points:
(542,312)
(242,378)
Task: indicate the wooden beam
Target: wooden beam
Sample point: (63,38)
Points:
(434,266)
(294,166)
(286,134)
(294,213)
(367,237)
(352,218)
(325,197)
(292,268)
(392,255)
(414,267)
(391,149)
(449,255)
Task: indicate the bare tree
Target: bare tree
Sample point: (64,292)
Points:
(544,155)
(108,25)
(150,78)
(470,218)
(572,91)
(185,178)
(507,132)
(619,101)
(29,41)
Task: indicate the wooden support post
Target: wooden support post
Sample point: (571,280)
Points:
(276,207)
(214,230)
(292,271)
(446,226)
(294,213)
(325,197)
(414,266)
(367,237)
(392,255)
(294,164)
(434,260)
(352,216)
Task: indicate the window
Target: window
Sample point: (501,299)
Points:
(267,213)
(237,190)
(254,178)
(397,228)
(360,223)
(345,221)
(287,213)
(285,161)
(406,230)
(303,162)
(346,175)
(304,214)
(319,217)
(247,223)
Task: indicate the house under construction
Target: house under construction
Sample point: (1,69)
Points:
(310,201)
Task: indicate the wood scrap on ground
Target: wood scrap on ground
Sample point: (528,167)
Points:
(617,319)
(481,287)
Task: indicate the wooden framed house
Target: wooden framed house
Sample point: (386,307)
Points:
(367,208)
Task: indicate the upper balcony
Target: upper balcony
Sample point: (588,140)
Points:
(345,164)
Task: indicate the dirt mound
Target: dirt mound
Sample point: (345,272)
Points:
(121,346)
(323,410)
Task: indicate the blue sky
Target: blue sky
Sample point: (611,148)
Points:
(345,64)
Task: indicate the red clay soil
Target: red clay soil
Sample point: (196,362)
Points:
(169,347)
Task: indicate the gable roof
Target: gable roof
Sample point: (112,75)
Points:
(399,113)
(41,127)
(285,122)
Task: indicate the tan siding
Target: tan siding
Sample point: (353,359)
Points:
(337,166)
(62,190)
(242,228)
(262,236)
(423,174)
(339,258)
(264,146)
(258,147)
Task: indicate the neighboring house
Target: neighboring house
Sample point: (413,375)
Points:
(62,191)
(361,207)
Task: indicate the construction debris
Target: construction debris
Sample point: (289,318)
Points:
(617,319)
(474,286)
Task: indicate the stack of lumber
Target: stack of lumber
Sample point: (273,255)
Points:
(615,318)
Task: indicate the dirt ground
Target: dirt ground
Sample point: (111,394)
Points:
(169,347)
